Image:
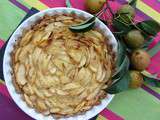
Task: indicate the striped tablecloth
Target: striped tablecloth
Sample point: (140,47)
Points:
(137,104)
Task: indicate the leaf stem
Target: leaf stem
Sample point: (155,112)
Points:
(120,32)
(101,12)
(137,27)
(121,21)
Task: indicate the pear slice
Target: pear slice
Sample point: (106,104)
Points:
(26,38)
(20,75)
(82,62)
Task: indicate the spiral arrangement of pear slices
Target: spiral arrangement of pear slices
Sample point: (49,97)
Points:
(58,71)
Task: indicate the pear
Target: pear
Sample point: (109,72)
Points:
(126,12)
(140,59)
(134,39)
(136,79)
(94,6)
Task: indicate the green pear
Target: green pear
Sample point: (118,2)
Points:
(94,6)
(134,39)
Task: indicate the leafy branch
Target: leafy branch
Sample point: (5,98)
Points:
(121,78)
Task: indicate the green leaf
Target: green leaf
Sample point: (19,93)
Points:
(121,78)
(120,25)
(121,85)
(152,80)
(148,75)
(92,19)
(68,4)
(82,28)
(132,3)
(121,53)
(121,69)
(150,26)
(154,50)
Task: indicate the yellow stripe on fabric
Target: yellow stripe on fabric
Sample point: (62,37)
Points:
(37,4)
(1,81)
(100,117)
(148,10)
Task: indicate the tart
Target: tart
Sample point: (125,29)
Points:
(60,72)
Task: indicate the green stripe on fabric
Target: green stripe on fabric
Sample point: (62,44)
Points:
(154,50)
(10,17)
(136,104)
(24,3)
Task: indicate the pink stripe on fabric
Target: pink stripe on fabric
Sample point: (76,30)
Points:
(115,5)
(110,115)
(153,4)
(54,3)
(1,43)
(79,4)
(3,90)
(154,67)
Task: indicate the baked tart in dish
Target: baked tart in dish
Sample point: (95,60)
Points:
(60,72)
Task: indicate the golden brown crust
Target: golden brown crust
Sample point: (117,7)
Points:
(59,72)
